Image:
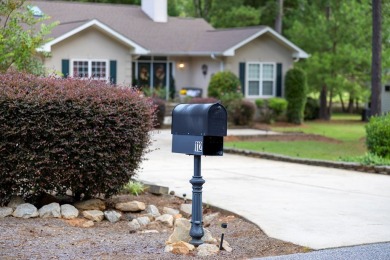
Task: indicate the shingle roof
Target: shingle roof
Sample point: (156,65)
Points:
(179,36)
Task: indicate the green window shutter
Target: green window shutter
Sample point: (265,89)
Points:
(241,73)
(113,71)
(65,68)
(279,79)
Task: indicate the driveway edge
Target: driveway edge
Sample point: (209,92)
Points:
(340,165)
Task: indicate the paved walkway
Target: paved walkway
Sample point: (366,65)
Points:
(311,206)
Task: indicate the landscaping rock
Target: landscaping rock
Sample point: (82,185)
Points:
(69,211)
(94,215)
(170,211)
(225,246)
(26,210)
(180,232)
(153,210)
(112,215)
(186,210)
(208,237)
(177,216)
(128,217)
(88,223)
(143,221)
(130,206)
(134,225)
(166,219)
(79,222)
(207,250)
(92,204)
(158,190)
(15,202)
(179,248)
(208,219)
(52,210)
(5,212)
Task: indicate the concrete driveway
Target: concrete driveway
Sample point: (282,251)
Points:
(310,206)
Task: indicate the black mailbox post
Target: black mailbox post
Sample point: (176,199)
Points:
(198,129)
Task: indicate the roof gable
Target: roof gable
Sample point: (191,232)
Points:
(95,23)
(298,52)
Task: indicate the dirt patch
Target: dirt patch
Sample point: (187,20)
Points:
(58,239)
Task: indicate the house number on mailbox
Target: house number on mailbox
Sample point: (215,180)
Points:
(198,146)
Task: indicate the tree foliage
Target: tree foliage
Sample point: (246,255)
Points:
(296,91)
(21,33)
(340,58)
(236,17)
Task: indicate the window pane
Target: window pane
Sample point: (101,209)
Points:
(268,88)
(159,73)
(143,75)
(254,71)
(268,71)
(253,88)
(99,70)
(80,69)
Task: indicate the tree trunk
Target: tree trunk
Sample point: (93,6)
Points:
(323,103)
(330,106)
(342,102)
(357,105)
(279,17)
(350,105)
(376,68)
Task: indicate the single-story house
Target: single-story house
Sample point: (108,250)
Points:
(141,45)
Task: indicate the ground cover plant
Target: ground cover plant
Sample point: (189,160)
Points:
(68,134)
(335,140)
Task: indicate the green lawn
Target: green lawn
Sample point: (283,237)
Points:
(304,149)
(349,131)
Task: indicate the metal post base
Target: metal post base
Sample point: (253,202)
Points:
(196,231)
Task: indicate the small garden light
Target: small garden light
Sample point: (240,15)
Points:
(223,225)
(185,199)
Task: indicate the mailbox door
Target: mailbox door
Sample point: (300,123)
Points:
(198,145)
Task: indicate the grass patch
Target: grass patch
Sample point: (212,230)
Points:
(340,131)
(346,128)
(304,149)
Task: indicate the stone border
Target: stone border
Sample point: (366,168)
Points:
(340,165)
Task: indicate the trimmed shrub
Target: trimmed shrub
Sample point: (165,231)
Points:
(378,135)
(271,109)
(312,109)
(296,90)
(222,83)
(66,134)
(160,112)
(241,112)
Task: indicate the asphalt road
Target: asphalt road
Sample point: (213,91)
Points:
(380,251)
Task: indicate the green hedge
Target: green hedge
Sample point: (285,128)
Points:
(271,109)
(222,83)
(296,90)
(378,136)
(65,134)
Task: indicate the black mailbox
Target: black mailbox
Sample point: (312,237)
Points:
(198,129)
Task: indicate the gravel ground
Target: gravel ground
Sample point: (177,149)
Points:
(57,239)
